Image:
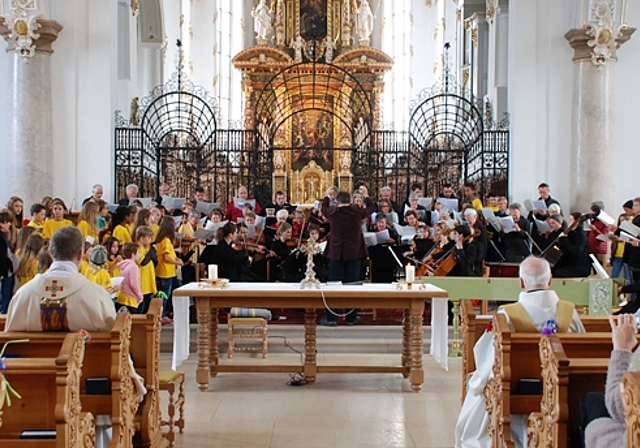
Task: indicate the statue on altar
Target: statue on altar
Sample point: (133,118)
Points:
(262,20)
(297,45)
(364,21)
(329,46)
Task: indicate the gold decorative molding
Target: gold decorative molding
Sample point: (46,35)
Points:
(474,36)
(21,35)
(582,42)
(135,7)
(491,10)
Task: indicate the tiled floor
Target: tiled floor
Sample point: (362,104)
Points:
(339,410)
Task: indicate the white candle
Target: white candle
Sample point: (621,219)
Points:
(213,272)
(410,273)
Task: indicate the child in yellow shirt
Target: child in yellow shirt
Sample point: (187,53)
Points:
(57,222)
(123,219)
(147,262)
(88,222)
(168,262)
(28,265)
(96,271)
(38,215)
(113,256)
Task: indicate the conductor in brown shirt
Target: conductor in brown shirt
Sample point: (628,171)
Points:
(345,247)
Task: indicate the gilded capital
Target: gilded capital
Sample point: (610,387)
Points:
(28,36)
(598,46)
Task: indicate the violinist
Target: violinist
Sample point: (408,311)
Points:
(574,259)
(233,261)
(383,262)
(286,263)
(321,263)
(442,243)
(298,225)
(422,243)
(465,251)
(480,240)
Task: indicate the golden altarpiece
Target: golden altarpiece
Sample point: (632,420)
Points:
(312,93)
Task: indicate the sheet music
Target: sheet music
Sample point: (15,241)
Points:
(251,230)
(604,237)
(528,205)
(542,226)
(206,207)
(406,233)
(215,226)
(370,238)
(457,216)
(239,202)
(605,218)
(178,220)
(112,207)
(508,225)
(146,202)
(630,228)
(435,217)
(491,218)
(203,234)
(449,204)
(425,202)
(627,238)
(383,236)
(323,245)
(539,205)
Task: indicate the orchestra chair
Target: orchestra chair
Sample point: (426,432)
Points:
(173,382)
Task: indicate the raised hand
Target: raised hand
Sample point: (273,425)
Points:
(623,331)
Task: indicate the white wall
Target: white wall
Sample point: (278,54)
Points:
(84,92)
(540,97)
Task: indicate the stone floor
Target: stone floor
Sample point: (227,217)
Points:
(339,410)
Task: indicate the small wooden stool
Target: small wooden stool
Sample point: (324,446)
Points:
(258,331)
(173,382)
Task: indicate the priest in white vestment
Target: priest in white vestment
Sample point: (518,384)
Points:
(536,305)
(62,299)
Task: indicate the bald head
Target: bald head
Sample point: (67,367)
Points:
(535,273)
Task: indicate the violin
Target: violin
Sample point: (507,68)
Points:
(553,253)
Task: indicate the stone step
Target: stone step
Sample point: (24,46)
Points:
(285,338)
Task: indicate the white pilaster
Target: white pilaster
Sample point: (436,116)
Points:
(152,63)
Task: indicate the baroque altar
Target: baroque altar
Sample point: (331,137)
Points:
(312,87)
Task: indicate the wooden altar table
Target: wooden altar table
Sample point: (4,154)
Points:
(289,295)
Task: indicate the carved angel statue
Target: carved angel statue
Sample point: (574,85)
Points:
(262,20)
(134,112)
(329,46)
(364,21)
(297,46)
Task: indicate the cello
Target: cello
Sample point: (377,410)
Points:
(445,264)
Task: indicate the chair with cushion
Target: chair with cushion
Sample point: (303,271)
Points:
(248,324)
(173,382)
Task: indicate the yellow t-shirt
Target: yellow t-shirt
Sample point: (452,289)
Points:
(124,299)
(35,225)
(187,230)
(86,230)
(115,272)
(156,229)
(165,270)
(477,204)
(99,276)
(32,270)
(122,234)
(84,265)
(147,274)
(52,226)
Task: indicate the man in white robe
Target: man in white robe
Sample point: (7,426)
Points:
(62,298)
(540,305)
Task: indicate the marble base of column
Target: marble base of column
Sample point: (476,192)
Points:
(30,142)
(593,152)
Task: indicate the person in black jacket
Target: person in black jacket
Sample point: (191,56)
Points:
(233,261)
(573,244)
(517,243)
(6,265)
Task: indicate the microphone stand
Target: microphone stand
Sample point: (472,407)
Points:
(502,258)
(533,242)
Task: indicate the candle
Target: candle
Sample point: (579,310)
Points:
(410,273)
(213,272)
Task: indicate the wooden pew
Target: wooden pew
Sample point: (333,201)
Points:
(145,351)
(1,397)
(473,326)
(565,380)
(514,353)
(50,390)
(106,355)
(631,401)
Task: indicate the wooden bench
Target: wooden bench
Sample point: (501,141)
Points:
(145,351)
(50,399)
(514,353)
(106,356)
(565,381)
(631,401)
(473,326)
(1,397)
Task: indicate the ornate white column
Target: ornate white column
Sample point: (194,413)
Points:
(152,61)
(29,153)
(593,152)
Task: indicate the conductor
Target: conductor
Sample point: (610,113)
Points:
(346,247)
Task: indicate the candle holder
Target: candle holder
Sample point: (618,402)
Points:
(222,283)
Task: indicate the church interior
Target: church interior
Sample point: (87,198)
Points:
(519,100)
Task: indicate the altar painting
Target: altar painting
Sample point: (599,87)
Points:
(312,139)
(313,19)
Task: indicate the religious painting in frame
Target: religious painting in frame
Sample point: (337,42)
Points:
(312,133)
(314,19)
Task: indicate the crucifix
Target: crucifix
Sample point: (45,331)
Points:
(311,248)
